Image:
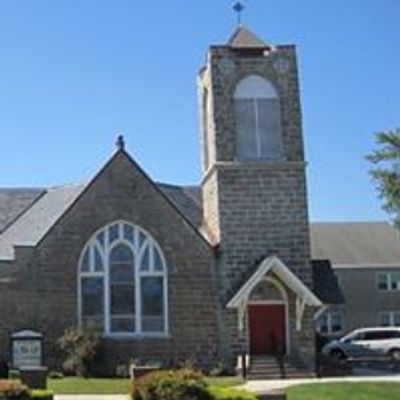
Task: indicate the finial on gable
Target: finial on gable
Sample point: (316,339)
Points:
(120,143)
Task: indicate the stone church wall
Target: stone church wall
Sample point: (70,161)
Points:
(44,294)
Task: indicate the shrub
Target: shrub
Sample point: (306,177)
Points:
(171,385)
(80,345)
(223,393)
(13,390)
(42,394)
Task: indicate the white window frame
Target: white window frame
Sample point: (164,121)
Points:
(392,317)
(138,251)
(388,277)
(329,318)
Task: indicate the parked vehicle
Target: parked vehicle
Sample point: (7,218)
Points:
(366,342)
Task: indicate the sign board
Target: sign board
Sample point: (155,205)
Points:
(26,349)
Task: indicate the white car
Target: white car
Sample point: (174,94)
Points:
(366,342)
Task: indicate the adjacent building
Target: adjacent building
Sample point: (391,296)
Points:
(366,259)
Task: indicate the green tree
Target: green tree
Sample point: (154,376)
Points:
(386,171)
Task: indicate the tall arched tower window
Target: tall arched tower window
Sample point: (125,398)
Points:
(122,282)
(258,121)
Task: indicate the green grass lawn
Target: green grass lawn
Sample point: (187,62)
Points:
(115,386)
(345,391)
(89,386)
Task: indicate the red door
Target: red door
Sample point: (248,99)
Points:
(267,328)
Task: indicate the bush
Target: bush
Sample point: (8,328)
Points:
(171,385)
(42,394)
(222,393)
(13,390)
(80,346)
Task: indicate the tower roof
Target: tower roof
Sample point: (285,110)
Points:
(244,38)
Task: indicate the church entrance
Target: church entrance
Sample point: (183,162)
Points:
(267,328)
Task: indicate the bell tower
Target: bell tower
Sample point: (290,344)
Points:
(254,182)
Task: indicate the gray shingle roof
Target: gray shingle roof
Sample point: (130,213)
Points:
(356,243)
(14,201)
(32,225)
(37,217)
(187,199)
(325,283)
(243,38)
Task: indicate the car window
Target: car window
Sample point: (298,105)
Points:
(380,335)
(357,336)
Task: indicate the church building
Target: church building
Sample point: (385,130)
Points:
(171,273)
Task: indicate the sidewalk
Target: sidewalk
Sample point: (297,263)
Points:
(262,387)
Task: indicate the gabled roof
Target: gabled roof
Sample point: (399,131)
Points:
(14,201)
(275,265)
(325,283)
(38,216)
(243,38)
(33,224)
(356,243)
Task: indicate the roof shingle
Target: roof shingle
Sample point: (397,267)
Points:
(356,243)
(243,38)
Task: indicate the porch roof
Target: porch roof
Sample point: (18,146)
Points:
(275,265)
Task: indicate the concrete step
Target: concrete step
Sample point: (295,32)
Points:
(269,367)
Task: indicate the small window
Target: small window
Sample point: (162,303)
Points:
(395,281)
(389,318)
(330,323)
(383,281)
(388,281)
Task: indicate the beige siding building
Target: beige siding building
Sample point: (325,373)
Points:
(366,259)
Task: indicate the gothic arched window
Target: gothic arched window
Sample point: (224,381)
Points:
(258,121)
(123,282)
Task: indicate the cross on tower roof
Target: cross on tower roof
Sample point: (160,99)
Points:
(239,7)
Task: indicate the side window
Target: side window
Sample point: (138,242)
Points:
(395,281)
(389,318)
(388,281)
(258,120)
(377,335)
(383,281)
(358,336)
(330,323)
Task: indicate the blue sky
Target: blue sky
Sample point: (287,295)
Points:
(73,73)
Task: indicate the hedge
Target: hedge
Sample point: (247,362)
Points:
(15,390)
